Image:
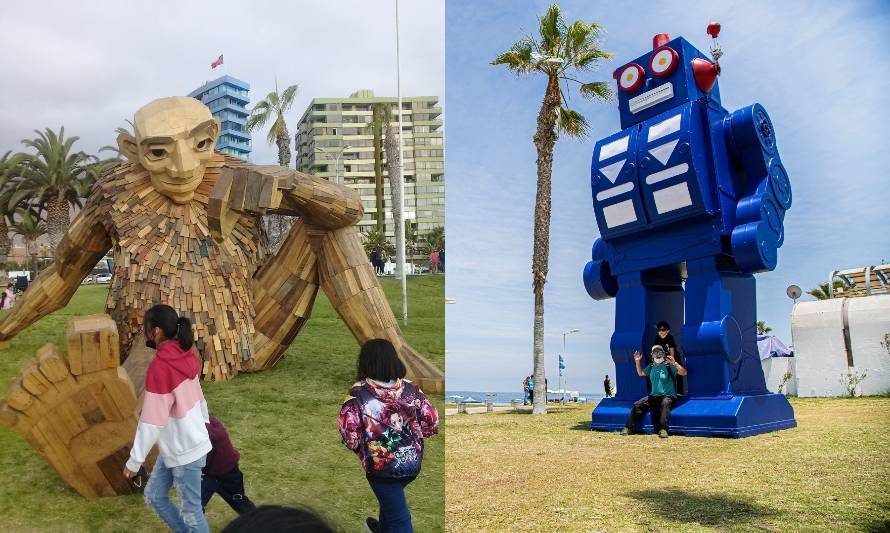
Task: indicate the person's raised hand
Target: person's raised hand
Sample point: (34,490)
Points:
(637,356)
(670,359)
(128,473)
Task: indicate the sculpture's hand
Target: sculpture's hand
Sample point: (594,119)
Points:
(242,190)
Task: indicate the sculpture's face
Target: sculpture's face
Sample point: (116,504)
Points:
(174,140)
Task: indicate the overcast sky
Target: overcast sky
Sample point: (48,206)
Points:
(90,65)
(822,74)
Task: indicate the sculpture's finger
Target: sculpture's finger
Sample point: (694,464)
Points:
(221,218)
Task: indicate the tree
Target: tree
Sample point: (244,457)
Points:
(436,239)
(376,241)
(762,328)
(560,50)
(10,167)
(381,120)
(273,107)
(822,293)
(394,175)
(31,228)
(52,178)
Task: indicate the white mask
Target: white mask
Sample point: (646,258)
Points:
(658,360)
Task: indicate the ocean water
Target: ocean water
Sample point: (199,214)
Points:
(504,398)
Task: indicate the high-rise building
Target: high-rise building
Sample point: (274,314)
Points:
(335,141)
(227,99)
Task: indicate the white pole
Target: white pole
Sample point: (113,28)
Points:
(400,238)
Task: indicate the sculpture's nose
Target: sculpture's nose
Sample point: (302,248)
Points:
(184,161)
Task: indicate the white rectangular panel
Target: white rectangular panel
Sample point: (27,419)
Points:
(672,198)
(665,127)
(620,213)
(669,172)
(651,98)
(615,191)
(618,146)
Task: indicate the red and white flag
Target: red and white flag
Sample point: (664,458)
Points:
(218,62)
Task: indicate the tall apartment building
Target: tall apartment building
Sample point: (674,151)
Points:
(227,99)
(334,141)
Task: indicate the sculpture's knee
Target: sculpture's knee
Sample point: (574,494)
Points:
(723,337)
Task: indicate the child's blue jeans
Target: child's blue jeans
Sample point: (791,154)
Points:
(186,479)
(394,515)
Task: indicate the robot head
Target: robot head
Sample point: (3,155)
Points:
(673,73)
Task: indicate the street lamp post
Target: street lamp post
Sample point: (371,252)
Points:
(336,160)
(569,332)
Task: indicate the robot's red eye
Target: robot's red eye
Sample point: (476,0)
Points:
(631,78)
(664,62)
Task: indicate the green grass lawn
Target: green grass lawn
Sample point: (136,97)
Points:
(520,472)
(283,421)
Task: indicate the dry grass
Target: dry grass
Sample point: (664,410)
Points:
(519,472)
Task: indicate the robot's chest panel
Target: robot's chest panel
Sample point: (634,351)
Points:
(652,174)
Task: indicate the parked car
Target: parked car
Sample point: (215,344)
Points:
(103,278)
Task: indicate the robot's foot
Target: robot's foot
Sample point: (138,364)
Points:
(79,412)
(733,416)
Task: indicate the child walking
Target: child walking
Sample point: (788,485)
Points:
(385,421)
(222,475)
(174,414)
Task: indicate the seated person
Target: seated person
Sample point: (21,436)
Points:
(661,372)
(664,339)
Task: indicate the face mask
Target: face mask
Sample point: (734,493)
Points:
(658,360)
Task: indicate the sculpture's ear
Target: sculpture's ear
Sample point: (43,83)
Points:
(217,127)
(126,143)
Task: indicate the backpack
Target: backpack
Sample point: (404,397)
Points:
(389,447)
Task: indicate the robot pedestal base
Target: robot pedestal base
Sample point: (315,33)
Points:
(731,416)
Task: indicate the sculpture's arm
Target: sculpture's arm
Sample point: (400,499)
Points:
(85,243)
(259,190)
(598,278)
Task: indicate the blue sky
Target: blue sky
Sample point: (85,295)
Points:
(822,74)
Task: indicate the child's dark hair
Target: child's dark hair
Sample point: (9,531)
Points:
(278,519)
(663,325)
(174,326)
(379,361)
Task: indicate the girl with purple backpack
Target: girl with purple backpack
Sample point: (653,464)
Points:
(385,421)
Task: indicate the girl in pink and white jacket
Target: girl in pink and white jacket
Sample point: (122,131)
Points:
(174,414)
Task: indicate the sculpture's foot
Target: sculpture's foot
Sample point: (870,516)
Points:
(421,372)
(79,412)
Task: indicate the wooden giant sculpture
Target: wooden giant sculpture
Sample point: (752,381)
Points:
(182,224)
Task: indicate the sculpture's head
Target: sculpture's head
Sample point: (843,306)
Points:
(174,139)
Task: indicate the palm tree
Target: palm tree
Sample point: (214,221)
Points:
(10,167)
(273,107)
(822,293)
(436,239)
(381,119)
(394,175)
(31,228)
(376,241)
(53,178)
(762,328)
(560,50)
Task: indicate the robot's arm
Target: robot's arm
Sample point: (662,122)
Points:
(766,193)
(258,190)
(598,278)
(82,247)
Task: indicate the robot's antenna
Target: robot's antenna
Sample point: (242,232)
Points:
(714,31)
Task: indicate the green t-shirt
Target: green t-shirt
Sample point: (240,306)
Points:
(662,377)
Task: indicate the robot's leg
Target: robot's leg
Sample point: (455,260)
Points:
(350,284)
(284,292)
(727,395)
(642,300)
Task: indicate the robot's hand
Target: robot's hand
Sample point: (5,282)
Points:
(598,278)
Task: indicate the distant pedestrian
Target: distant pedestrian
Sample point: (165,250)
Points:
(531,388)
(7,298)
(434,262)
(385,421)
(442,261)
(607,385)
(525,389)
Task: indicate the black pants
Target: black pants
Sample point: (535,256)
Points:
(230,486)
(660,406)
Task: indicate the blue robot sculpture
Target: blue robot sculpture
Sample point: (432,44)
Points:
(688,190)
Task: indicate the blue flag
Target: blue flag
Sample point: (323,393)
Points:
(562,365)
